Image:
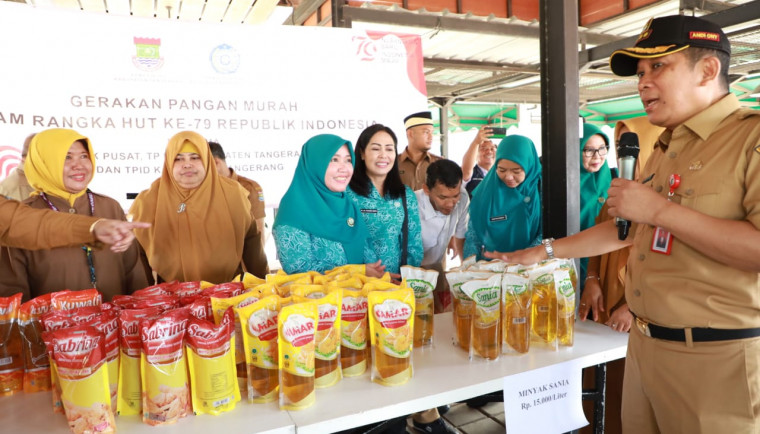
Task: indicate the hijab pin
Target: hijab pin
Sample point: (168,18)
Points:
(350,222)
(181,208)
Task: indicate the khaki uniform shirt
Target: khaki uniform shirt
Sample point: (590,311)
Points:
(256,194)
(15,186)
(21,226)
(717,155)
(37,272)
(414,175)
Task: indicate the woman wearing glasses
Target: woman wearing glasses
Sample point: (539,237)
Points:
(595,178)
(60,166)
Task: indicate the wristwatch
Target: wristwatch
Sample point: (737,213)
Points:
(547,242)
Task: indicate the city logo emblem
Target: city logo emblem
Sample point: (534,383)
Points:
(224,59)
(147,57)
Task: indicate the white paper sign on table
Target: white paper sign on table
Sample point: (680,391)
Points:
(545,400)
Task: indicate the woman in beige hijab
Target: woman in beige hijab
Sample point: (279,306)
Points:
(604,293)
(201,222)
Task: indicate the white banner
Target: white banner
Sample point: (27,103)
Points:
(129,84)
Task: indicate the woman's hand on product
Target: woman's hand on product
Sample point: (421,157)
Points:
(621,319)
(375,269)
(527,256)
(592,299)
(395,278)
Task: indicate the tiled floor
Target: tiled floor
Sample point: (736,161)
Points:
(488,419)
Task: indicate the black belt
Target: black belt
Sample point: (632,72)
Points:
(698,334)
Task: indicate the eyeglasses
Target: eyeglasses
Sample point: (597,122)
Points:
(590,152)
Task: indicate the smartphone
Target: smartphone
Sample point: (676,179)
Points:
(498,132)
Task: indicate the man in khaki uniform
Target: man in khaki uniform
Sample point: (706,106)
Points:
(27,228)
(15,186)
(256,194)
(414,161)
(693,362)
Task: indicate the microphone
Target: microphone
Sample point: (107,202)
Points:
(628,153)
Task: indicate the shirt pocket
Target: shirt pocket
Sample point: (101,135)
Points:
(705,197)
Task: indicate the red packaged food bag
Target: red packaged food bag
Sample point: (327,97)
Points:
(68,300)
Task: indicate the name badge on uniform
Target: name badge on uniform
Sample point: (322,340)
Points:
(368,211)
(662,240)
(499,218)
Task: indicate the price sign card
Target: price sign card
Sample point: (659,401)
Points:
(545,400)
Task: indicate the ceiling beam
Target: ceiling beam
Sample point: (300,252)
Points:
(458,24)
(430,62)
(704,5)
(730,17)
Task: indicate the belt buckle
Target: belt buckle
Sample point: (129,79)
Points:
(643,327)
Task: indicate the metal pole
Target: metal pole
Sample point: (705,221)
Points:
(559,117)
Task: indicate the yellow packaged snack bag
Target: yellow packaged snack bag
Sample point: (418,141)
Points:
(423,283)
(353,333)
(219,306)
(163,368)
(379,285)
(544,312)
(80,357)
(129,393)
(348,268)
(486,314)
(391,326)
(211,359)
(265,289)
(327,337)
(259,324)
(301,289)
(283,281)
(249,280)
(462,304)
(515,313)
(386,277)
(11,354)
(297,325)
(350,283)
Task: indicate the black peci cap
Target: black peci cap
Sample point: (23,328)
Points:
(421,118)
(668,35)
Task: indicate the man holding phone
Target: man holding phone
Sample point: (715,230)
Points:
(484,150)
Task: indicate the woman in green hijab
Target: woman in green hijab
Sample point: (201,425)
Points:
(595,174)
(318,227)
(595,179)
(505,211)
